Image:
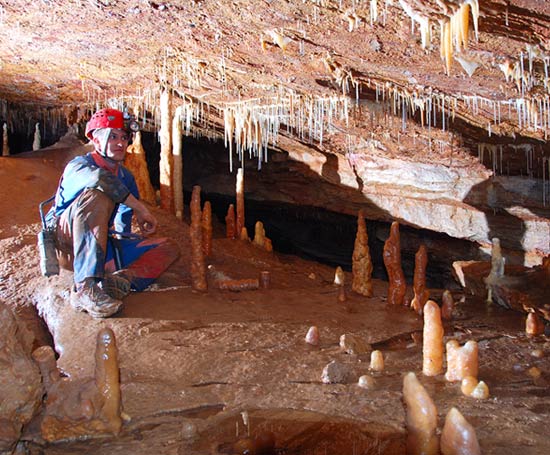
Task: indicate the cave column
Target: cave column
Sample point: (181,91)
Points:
(166,159)
(240,202)
(177,147)
(5,145)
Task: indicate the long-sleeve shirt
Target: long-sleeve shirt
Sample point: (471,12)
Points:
(83,172)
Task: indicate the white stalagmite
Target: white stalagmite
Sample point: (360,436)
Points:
(36,143)
(166,160)
(178,162)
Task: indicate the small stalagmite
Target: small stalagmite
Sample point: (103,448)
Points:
(5,142)
(392,261)
(44,356)
(198,265)
(458,436)
(339,277)
(468,385)
(135,161)
(230,226)
(239,189)
(376,361)
(77,408)
(421,294)
(36,143)
(447,305)
(259,234)
(244,234)
(107,378)
(461,361)
(206,226)
(534,325)
(361,260)
(432,346)
(481,391)
(312,336)
(421,418)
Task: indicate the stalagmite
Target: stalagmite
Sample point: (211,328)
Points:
(239,189)
(259,237)
(135,160)
(230,227)
(44,356)
(432,347)
(166,159)
(36,143)
(392,260)
(5,143)
(366,382)
(77,408)
(497,268)
(206,225)
(361,260)
(178,162)
(447,305)
(481,391)
(312,336)
(534,325)
(421,418)
(468,385)
(339,277)
(244,234)
(458,436)
(461,361)
(376,361)
(198,266)
(107,379)
(421,294)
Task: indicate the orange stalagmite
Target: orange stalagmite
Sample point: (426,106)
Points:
(240,201)
(533,325)
(361,260)
(206,224)
(447,305)
(107,379)
(461,361)
(166,160)
(230,227)
(421,294)
(44,356)
(136,162)
(198,266)
(458,436)
(432,347)
(392,261)
(421,418)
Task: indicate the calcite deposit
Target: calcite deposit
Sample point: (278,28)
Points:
(392,261)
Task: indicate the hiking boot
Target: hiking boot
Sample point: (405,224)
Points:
(116,285)
(88,296)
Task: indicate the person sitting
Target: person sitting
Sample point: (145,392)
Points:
(94,205)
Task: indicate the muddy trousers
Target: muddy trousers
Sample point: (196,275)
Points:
(83,235)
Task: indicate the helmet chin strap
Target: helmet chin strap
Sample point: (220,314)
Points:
(103,138)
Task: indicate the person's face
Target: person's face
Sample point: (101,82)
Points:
(116,145)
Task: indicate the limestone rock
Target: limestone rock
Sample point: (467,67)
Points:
(354,344)
(336,373)
(21,391)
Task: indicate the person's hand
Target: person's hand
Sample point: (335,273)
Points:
(147,222)
(145,219)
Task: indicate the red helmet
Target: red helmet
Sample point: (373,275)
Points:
(105,118)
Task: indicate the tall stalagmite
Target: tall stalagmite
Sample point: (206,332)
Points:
(432,340)
(166,159)
(239,188)
(178,163)
(421,294)
(392,261)
(230,223)
(206,223)
(5,143)
(136,161)
(198,265)
(361,260)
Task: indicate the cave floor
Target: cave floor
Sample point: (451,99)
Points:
(195,366)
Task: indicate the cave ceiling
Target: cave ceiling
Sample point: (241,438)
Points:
(375,83)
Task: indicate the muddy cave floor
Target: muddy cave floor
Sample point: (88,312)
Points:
(191,363)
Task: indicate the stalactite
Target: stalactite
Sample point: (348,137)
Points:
(198,266)
(166,159)
(178,162)
(392,260)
